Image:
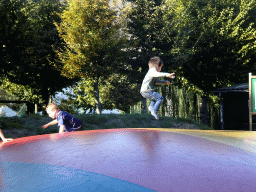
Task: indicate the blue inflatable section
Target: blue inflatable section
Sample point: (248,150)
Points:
(28,177)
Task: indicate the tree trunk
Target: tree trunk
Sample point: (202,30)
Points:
(36,109)
(97,97)
(50,99)
(144,106)
(30,108)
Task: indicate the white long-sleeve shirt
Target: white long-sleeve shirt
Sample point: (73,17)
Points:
(150,80)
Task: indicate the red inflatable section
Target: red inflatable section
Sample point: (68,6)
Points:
(157,159)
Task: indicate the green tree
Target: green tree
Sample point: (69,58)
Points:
(116,92)
(30,39)
(83,95)
(12,36)
(216,41)
(42,53)
(95,42)
(151,34)
(122,93)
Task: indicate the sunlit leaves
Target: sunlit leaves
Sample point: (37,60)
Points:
(217,42)
(22,92)
(90,32)
(116,92)
(30,39)
(95,44)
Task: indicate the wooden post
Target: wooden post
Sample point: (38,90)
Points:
(221,112)
(36,109)
(144,106)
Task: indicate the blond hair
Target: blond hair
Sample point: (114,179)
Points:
(52,106)
(155,62)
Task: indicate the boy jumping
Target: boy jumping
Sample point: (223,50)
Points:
(147,89)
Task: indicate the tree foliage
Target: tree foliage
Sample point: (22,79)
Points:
(216,42)
(14,24)
(29,39)
(210,44)
(152,34)
(95,43)
(116,92)
(122,93)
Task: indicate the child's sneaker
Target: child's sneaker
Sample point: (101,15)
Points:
(155,115)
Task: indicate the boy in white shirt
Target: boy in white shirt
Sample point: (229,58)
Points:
(147,89)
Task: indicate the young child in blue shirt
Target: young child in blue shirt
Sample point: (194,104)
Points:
(65,121)
(151,79)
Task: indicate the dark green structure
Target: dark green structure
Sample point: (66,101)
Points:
(234,102)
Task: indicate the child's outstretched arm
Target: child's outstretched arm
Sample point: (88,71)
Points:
(3,138)
(62,128)
(163,82)
(54,122)
(172,76)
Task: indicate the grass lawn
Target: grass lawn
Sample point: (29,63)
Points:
(16,127)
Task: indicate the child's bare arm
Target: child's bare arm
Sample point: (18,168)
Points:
(62,128)
(2,135)
(3,138)
(172,75)
(54,122)
(162,82)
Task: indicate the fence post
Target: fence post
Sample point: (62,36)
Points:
(204,113)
